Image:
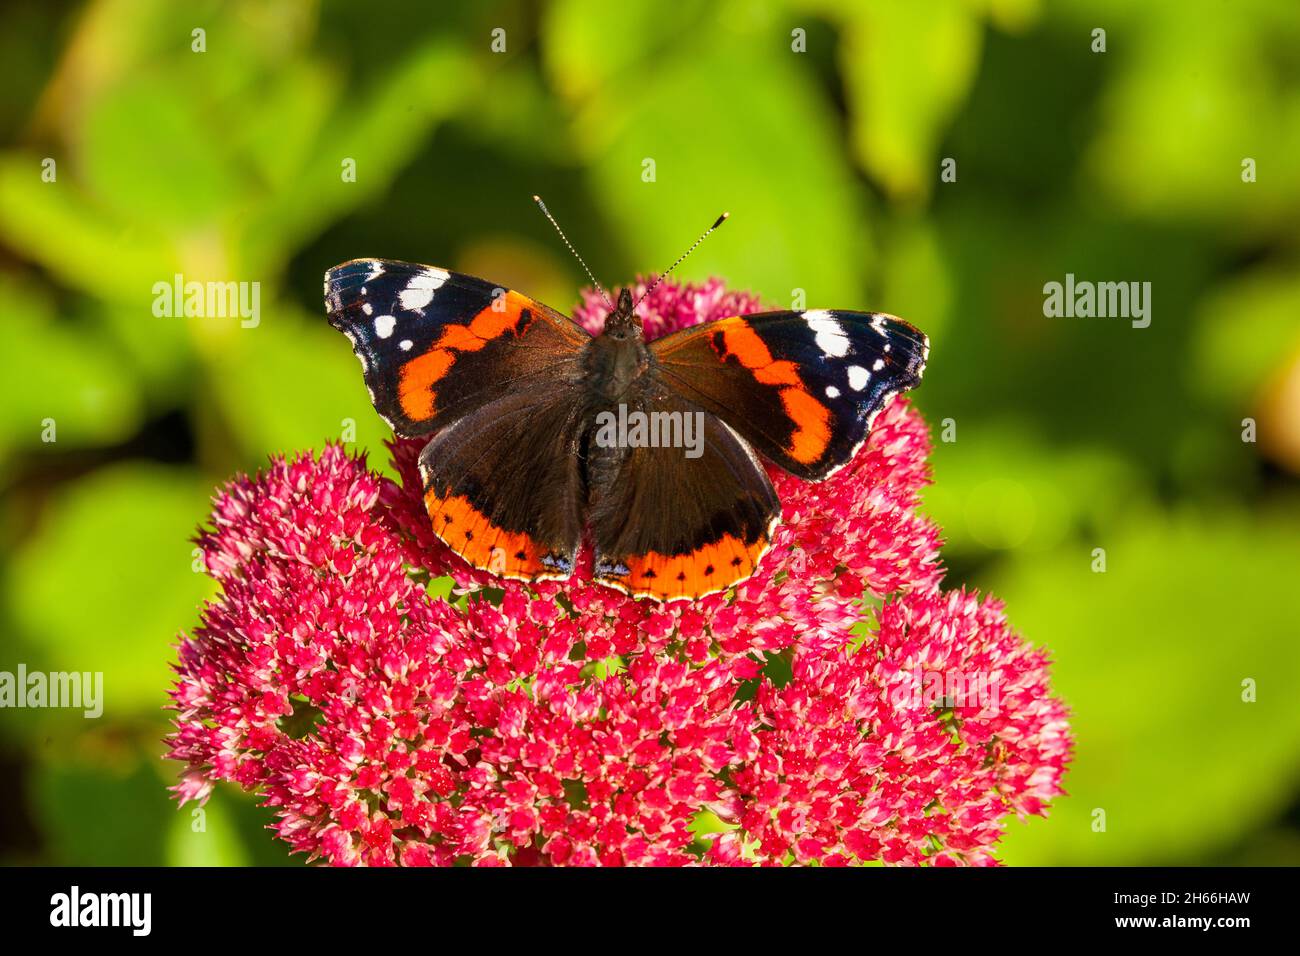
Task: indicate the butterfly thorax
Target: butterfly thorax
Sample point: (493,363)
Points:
(615,361)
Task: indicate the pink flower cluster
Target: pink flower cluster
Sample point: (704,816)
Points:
(564,723)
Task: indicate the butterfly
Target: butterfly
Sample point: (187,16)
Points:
(515,397)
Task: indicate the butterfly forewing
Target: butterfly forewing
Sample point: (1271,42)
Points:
(436,345)
(801,387)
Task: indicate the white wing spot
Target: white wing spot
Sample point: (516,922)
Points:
(413,299)
(829,336)
(420,289)
(384,325)
(428,278)
(858,377)
(376,270)
(367,308)
(877,365)
(832,391)
(405,345)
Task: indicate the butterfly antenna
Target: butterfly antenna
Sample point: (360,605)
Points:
(547,213)
(707,232)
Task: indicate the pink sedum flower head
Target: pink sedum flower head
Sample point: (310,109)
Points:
(837,707)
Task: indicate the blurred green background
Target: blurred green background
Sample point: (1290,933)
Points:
(1070,434)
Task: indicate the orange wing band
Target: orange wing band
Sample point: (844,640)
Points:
(469,533)
(713,567)
(812,419)
(418,379)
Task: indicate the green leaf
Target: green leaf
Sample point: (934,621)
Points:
(59,376)
(1162,99)
(56,225)
(907,68)
(577,53)
(99,812)
(290,384)
(106,583)
(1244,330)
(775,164)
(381,130)
(205,836)
(999,488)
(190,182)
(1151,657)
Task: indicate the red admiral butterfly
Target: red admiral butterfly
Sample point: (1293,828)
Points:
(510,391)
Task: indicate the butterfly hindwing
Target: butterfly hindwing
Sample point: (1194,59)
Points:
(436,345)
(669,525)
(503,485)
(801,387)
